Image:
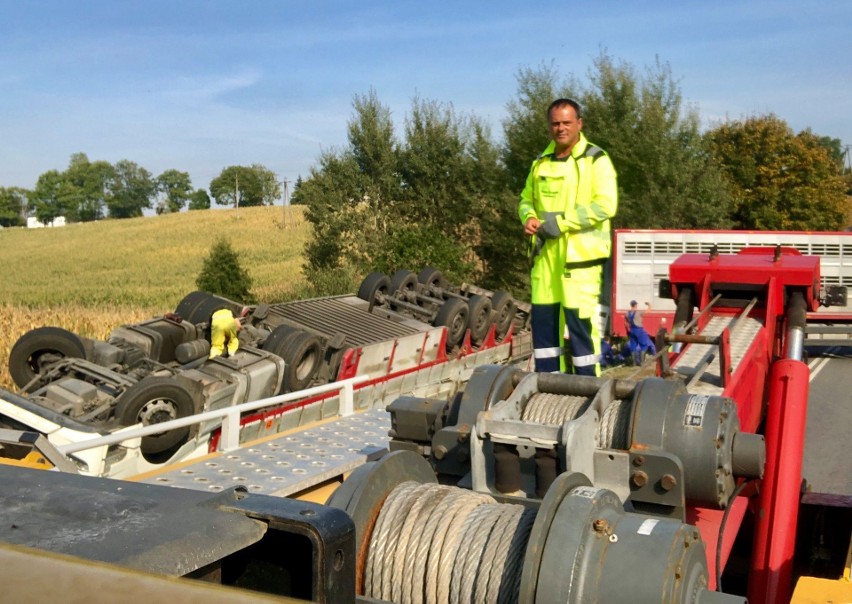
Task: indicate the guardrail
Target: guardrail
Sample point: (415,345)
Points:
(230,438)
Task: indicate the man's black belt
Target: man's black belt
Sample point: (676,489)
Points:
(570,266)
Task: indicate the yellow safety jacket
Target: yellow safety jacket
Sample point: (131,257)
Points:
(582,194)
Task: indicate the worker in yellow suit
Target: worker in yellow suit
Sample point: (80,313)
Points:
(566,207)
(223,333)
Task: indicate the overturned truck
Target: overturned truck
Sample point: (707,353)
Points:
(158,370)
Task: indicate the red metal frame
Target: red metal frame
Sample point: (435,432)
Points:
(769,275)
(349,368)
(778,511)
(655,319)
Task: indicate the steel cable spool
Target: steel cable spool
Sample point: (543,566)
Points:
(553,409)
(422,542)
(434,543)
(615,425)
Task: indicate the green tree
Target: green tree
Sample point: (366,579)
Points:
(525,128)
(199,200)
(780,180)
(438,198)
(666,175)
(241,186)
(500,240)
(299,182)
(348,194)
(380,204)
(222,274)
(87,186)
(79,193)
(131,190)
(270,186)
(657,149)
(338,211)
(176,187)
(834,146)
(13,204)
(47,197)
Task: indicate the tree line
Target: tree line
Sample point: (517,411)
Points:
(444,193)
(91,190)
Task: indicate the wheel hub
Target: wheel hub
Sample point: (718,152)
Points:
(157,411)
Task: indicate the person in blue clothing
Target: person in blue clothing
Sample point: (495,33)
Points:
(638,342)
(608,356)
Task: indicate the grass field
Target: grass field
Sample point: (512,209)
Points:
(92,277)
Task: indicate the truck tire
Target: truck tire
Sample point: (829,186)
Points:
(375,283)
(190,301)
(199,307)
(504,309)
(479,313)
(431,278)
(39,347)
(403,280)
(453,315)
(302,354)
(153,400)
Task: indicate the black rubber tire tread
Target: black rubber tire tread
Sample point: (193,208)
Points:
(56,342)
(273,340)
(373,284)
(134,399)
(201,313)
(454,316)
(302,353)
(479,317)
(403,280)
(190,302)
(431,277)
(504,308)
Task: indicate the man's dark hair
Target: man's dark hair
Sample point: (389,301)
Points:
(565,103)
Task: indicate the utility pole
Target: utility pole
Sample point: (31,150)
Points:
(237,192)
(285,202)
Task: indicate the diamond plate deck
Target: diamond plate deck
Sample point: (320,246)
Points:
(288,463)
(743,330)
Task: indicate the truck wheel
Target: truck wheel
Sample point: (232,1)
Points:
(302,354)
(403,280)
(204,306)
(153,400)
(189,303)
(375,283)
(431,278)
(504,312)
(453,315)
(39,347)
(479,309)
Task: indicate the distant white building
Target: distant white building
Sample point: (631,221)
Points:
(32,223)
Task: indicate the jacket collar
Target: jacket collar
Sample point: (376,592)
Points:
(576,151)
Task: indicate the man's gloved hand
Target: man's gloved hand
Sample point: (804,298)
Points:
(549,229)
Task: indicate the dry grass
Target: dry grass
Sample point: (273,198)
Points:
(89,322)
(92,277)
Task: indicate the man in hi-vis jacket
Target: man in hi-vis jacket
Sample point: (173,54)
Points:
(566,206)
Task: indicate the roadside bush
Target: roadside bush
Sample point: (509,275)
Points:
(222,274)
(335,281)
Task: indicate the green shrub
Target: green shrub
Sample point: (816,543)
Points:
(328,282)
(222,274)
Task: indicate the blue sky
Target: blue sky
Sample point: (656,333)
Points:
(198,86)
